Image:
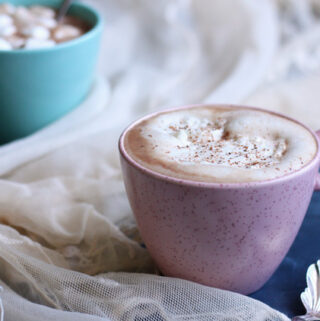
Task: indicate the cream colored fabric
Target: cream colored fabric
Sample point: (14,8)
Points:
(66,226)
(295,86)
(299,98)
(292,84)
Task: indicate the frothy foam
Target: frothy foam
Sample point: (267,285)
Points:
(221,144)
(209,142)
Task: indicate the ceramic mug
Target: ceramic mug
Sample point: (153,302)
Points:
(230,236)
(39,86)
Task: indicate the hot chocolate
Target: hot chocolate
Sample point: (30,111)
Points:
(36,27)
(220,144)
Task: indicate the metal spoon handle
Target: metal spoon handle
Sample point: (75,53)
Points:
(63,9)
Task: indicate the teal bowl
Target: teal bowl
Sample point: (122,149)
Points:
(39,86)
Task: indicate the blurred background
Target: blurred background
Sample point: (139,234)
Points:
(263,53)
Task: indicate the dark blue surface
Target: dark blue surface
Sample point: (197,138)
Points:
(282,291)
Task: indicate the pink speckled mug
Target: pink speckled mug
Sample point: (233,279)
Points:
(230,236)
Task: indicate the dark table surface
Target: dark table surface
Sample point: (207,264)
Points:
(282,291)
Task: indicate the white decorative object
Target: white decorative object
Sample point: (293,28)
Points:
(311,295)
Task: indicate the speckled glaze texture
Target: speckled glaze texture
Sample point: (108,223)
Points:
(230,236)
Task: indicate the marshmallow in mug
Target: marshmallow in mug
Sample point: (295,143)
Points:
(35,27)
(7,8)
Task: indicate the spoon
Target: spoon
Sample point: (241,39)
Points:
(62,11)
(311,295)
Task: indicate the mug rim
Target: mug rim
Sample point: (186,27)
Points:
(61,46)
(229,185)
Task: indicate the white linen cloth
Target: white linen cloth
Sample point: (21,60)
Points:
(67,234)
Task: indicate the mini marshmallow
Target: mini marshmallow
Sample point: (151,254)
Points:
(33,43)
(64,32)
(5,45)
(7,8)
(49,23)
(8,31)
(5,20)
(16,42)
(41,11)
(22,17)
(36,32)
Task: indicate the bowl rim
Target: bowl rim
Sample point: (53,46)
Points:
(96,28)
(230,185)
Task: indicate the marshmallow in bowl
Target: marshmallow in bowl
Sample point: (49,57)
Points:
(66,32)
(34,43)
(5,20)
(49,23)
(22,16)
(36,27)
(8,31)
(5,45)
(16,42)
(7,8)
(41,11)
(7,28)
(37,32)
